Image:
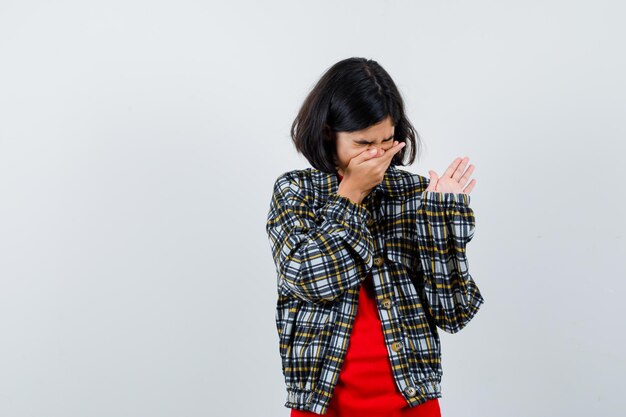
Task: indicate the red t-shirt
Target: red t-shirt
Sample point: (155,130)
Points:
(366,386)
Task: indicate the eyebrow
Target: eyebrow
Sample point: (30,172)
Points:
(364,141)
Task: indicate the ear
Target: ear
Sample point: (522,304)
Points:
(328,132)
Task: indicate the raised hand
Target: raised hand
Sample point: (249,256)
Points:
(366,171)
(454,179)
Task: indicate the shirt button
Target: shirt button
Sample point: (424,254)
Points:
(410,391)
(396,346)
(386,303)
(378,260)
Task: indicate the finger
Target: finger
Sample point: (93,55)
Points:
(365,155)
(391,152)
(385,160)
(458,173)
(470,186)
(465,178)
(432,184)
(451,168)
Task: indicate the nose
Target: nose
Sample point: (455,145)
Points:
(379,146)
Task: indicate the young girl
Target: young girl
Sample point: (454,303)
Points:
(362,255)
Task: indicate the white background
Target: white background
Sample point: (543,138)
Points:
(139,142)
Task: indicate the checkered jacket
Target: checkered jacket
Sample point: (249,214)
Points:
(412,241)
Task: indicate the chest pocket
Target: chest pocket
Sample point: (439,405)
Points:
(403,258)
(402,250)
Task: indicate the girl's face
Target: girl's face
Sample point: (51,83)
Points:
(350,144)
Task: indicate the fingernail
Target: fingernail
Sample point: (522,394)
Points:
(372,150)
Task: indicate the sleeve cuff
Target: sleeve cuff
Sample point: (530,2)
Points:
(342,208)
(445,199)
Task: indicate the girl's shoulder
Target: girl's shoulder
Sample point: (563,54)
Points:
(313,182)
(296,183)
(413,180)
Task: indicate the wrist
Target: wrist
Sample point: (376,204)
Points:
(352,194)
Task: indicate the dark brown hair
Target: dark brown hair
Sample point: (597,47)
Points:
(353,94)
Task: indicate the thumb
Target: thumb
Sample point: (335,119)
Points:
(364,156)
(433,180)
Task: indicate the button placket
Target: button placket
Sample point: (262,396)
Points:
(379,260)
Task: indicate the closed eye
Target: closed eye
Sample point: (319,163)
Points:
(366,142)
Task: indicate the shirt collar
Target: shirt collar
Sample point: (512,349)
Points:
(392,185)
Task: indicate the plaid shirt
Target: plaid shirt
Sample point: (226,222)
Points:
(412,241)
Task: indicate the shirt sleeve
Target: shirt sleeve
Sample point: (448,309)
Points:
(319,254)
(445,224)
